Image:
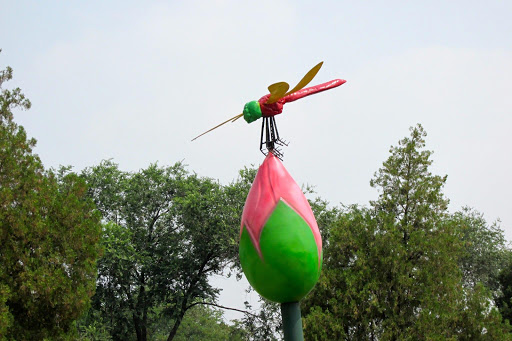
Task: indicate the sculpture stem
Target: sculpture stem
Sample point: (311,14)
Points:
(292,321)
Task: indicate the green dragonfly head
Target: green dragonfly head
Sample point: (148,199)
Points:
(252,111)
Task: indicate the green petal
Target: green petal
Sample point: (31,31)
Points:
(290,265)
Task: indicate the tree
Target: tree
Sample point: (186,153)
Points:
(391,271)
(166,232)
(49,236)
(485,250)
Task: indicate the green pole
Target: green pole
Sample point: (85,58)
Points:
(292,322)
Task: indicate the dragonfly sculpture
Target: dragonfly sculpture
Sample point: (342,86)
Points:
(272,104)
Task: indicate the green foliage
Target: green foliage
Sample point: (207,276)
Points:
(202,323)
(485,251)
(6,318)
(166,232)
(49,234)
(393,271)
(92,328)
(199,323)
(325,216)
(504,300)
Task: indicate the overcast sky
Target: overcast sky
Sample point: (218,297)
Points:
(135,81)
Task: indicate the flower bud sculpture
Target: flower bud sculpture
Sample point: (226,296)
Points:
(280,244)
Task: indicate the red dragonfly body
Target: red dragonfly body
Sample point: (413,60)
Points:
(276,108)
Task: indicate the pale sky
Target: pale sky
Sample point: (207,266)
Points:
(136,81)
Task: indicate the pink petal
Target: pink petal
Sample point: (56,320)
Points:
(273,183)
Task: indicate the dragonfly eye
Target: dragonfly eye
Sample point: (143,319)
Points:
(252,111)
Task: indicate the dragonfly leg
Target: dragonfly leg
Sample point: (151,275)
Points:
(269,134)
(269,129)
(277,138)
(261,138)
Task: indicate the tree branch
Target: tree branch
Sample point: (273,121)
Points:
(187,296)
(224,307)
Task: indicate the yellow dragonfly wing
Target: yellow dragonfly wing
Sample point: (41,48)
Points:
(278,88)
(277,91)
(306,79)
